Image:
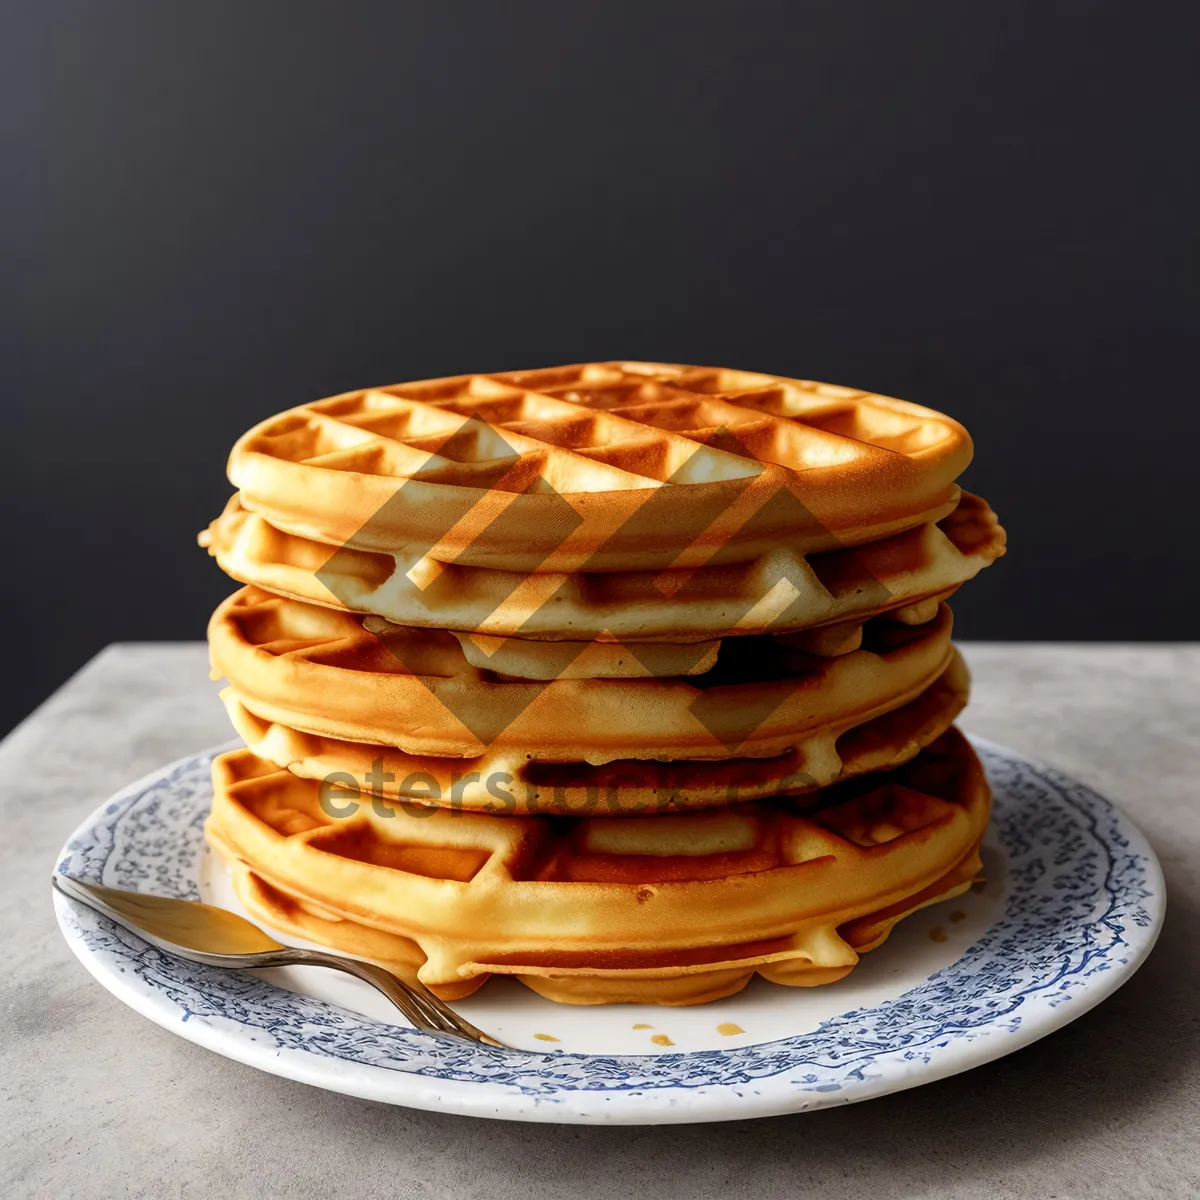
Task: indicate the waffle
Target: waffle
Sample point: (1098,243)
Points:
(501,782)
(784,589)
(602,467)
(322,672)
(671,910)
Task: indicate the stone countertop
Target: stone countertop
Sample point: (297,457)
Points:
(99,1101)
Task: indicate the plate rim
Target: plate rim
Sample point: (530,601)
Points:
(655,1105)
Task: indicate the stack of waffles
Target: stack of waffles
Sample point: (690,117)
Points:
(630,680)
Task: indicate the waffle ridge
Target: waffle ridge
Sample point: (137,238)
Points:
(734,599)
(323,672)
(508,782)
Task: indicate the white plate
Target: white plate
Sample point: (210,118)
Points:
(1073,902)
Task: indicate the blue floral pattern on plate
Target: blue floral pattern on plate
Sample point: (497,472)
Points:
(1083,905)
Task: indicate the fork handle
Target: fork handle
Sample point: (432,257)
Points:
(413,999)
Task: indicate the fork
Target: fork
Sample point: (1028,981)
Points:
(216,937)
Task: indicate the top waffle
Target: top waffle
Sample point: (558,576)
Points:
(601,467)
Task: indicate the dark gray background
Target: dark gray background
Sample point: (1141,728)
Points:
(219,210)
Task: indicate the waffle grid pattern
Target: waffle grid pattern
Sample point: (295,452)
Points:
(586,451)
(547,900)
(655,424)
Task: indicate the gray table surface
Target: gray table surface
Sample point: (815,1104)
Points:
(100,1102)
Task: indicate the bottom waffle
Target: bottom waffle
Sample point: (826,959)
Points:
(677,909)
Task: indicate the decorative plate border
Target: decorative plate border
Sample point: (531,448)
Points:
(1085,900)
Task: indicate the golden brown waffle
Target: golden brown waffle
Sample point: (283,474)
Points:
(670,910)
(503,782)
(320,671)
(602,467)
(782,590)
